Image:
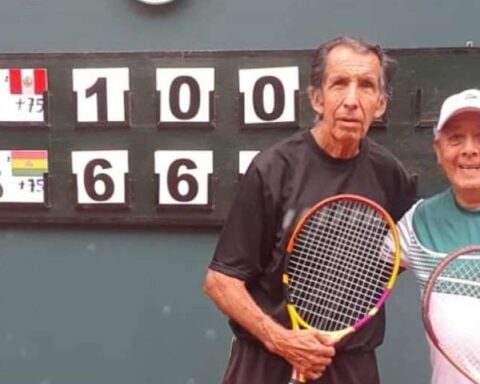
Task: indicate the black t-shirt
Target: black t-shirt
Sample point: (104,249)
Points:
(289,177)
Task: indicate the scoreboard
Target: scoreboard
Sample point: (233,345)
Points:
(161,138)
(137,138)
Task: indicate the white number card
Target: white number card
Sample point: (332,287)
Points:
(269,94)
(186,94)
(100,176)
(101,94)
(184,177)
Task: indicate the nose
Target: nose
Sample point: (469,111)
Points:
(471,146)
(351,97)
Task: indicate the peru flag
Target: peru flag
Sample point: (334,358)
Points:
(28,81)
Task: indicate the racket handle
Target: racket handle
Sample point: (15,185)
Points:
(297,379)
(301,380)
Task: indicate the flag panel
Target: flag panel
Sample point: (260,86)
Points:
(22,92)
(29,163)
(22,176)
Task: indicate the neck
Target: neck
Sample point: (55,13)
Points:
(335,148)
(468,200)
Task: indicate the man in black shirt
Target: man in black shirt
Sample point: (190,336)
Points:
(348,90)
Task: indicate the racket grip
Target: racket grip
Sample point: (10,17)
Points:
(301,380)
(297,379)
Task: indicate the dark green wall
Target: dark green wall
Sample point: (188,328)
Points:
(107,306)
(111,306)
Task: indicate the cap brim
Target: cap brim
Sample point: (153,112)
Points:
(455,113)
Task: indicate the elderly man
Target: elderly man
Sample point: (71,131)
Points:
(348,90)
(449,220)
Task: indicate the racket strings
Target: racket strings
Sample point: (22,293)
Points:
(305,286)
(338,270)
(455,313)
(345,271)
(349,246)
(353,243)
(336,307)
(335,302)
(461,277)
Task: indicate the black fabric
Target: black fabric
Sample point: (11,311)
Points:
(281,182)
(250,363)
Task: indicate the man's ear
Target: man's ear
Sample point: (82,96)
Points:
(437,152)
(381,107)
(316,99)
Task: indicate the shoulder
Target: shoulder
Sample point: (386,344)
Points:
(382,156)
(389,168)
(406,222)
(399,185)
(433,204)
(281,153)
(405,225)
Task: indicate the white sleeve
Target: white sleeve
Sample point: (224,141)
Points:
(405,230)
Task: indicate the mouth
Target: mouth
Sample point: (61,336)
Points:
(470,166)
(349,121)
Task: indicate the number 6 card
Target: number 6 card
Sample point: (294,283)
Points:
(184,177)
(100,176)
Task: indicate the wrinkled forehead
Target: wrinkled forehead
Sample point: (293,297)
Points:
(352,61)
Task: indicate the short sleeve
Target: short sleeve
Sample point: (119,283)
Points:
(247,237)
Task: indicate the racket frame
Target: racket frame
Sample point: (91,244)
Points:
(295,318)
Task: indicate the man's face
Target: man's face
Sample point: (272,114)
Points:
(350,97)
(458,152)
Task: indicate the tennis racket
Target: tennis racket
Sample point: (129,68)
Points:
(451,310)
(339,271)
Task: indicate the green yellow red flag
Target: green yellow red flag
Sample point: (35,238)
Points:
(29,163)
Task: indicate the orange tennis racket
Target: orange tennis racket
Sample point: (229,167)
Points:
(339,271)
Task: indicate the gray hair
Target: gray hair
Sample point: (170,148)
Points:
(388,65)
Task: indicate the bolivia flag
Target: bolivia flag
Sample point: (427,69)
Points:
(29,163)
(28,81)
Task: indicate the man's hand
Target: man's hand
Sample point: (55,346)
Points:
(308,351)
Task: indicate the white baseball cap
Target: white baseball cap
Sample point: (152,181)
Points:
(468,100)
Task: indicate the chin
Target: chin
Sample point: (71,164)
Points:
(468,186)
(472,187)
(349,137)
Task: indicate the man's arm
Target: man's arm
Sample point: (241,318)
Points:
(307,350)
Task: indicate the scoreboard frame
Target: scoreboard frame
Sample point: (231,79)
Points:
(109,127)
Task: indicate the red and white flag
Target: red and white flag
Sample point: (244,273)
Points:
(28,81)
(22,93)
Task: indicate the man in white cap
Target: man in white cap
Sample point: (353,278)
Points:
(449,220)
